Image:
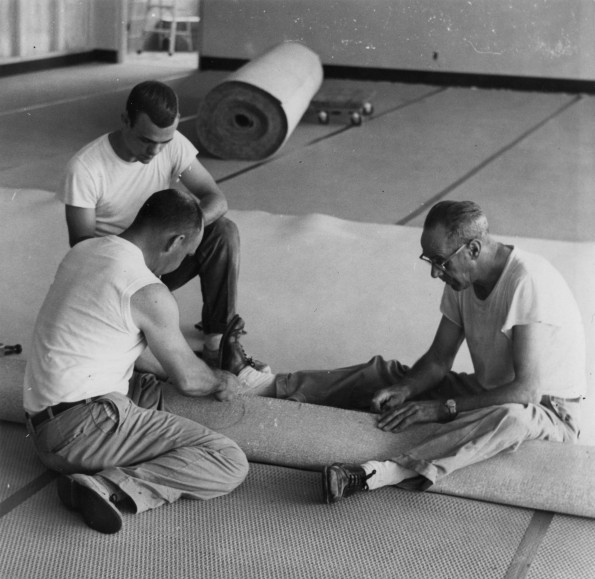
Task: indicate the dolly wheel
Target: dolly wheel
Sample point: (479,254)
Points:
(323,118)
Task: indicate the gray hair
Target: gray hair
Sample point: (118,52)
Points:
(463,220)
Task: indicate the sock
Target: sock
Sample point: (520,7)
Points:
(213,341)
(258,383)
(387,473)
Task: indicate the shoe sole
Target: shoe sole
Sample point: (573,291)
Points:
(67,492)
(98,513)
(325,486)
(225,336)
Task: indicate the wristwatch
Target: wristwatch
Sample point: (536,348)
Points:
(451,406)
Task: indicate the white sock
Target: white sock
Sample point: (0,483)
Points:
(257,383)
(387,473)
(213,341)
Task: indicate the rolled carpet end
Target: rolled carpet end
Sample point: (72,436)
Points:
(252,113)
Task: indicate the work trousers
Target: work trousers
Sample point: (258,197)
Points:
(217,263)
(152,456)
(472,437)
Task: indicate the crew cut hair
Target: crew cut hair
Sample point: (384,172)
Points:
(463,220)
(157,100)
(171,210)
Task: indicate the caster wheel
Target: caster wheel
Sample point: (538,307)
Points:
(356,119)
(323,118)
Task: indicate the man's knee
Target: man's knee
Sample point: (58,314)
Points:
(237,464)
(223,232)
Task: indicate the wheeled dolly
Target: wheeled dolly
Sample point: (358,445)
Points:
(341,106)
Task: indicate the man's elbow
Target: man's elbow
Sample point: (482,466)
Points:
(222,205)
(533,397)
(530,393)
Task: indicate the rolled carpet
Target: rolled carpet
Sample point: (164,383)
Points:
(253,112)
(539,475)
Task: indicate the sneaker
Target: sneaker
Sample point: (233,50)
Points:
(85,493)
(232,356)
(342,480)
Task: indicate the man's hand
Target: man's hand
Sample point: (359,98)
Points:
(388,398)
(228,386)
(398,418)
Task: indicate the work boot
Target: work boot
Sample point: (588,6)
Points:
(232,356)
(342,480)
(85,493)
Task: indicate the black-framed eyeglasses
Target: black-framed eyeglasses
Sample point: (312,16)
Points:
(441,265)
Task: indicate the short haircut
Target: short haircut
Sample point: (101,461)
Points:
(157,100)
(171,210)
(463,220)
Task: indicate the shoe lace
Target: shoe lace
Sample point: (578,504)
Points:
(248,359)
(357,480)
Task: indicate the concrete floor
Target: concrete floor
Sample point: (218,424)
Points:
(525,157)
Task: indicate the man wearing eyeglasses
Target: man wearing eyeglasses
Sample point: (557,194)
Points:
(525,335)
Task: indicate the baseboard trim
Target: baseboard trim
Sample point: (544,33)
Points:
(71,59)
(520,83)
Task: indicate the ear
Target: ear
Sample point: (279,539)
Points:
(125,119)
(174,242)
(475,248)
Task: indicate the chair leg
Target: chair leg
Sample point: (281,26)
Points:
(172,36)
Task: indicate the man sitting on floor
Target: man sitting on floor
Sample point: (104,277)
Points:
(109,179)
(525,335)
(92,417)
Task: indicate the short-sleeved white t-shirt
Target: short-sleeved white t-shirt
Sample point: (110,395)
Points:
(85,342)
(529,291)
(97,178)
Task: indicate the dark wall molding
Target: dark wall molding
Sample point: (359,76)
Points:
(23,66)
(523,83)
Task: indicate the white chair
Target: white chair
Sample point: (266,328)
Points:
(164,20)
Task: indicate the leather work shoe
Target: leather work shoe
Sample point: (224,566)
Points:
(342,480)
(84,493)
(232,356)
(211,359)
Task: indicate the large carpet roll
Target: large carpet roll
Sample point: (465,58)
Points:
(252,113)
(539,475)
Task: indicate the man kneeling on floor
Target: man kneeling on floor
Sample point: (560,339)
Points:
(526,339)
(88,411)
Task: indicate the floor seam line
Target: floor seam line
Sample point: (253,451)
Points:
(26,492)
(527,550)
(323,138)
(478,168)
(38,106)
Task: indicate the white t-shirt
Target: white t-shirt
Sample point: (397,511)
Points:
(85,342)
(529,291)
(96,178)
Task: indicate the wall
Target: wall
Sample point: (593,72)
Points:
(534,38)
(109,24)
(38,29)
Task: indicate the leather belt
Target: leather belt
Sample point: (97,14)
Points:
(51,411)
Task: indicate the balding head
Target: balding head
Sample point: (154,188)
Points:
(462,221)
